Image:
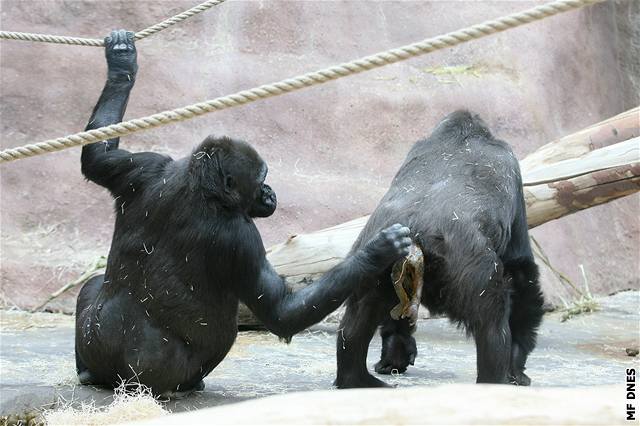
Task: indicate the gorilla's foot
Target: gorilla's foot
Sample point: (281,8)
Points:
(398,353)
(365,380)
(179,394)
(496,380)
(390,365)
(85,378)
(519,379)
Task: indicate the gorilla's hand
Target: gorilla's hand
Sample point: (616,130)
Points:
(389,245)
(120,51)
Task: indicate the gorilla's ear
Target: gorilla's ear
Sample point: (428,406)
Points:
(229,183)
(231,195)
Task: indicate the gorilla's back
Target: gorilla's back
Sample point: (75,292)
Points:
(458,178)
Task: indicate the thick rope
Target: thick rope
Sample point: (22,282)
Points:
(297,83)
(45,38)
(178,18)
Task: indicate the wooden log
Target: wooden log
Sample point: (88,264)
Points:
(556,199)
(608,132)
(572,185)
(612,156)
(308,255)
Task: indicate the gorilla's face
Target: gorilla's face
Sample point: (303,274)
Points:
(245,176)
(264,204)
(232,174)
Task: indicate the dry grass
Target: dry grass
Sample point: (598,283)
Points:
(586,303)
(127,406)
(581,306)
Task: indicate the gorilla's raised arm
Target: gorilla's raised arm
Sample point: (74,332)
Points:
(102,162)
(121,55)
(286,313)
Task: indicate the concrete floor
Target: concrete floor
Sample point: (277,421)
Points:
(37,364)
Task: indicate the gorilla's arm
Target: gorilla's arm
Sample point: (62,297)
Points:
(103,162)
(286,313)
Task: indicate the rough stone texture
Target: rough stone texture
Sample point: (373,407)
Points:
(439,405)
(333,149)
(37,364)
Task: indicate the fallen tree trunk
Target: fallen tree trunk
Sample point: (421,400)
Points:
(582,186)
(608,132)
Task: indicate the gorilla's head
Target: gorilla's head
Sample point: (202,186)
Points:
(231,173)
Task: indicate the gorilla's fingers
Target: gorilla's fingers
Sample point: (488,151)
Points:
(393,243)
(111,39)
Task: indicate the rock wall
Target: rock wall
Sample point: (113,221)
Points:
(332,149)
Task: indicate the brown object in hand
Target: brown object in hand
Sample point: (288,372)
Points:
(406,276)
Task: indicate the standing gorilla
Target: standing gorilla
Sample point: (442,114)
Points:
(185,250)
(460,192)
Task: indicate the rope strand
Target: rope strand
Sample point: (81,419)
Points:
(178,18)
(296,83)
(46,38)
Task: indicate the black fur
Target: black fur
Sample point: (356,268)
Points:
(460,192)
(185,251)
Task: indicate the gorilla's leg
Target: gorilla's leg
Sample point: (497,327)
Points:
(356,330)
(148,354)
(84,304)
(493,338)
(398,346)
(526,315)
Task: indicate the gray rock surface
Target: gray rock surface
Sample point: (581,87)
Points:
(37,364)
(468,404)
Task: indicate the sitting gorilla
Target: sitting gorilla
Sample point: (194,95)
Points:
(460,192)
(185,250)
